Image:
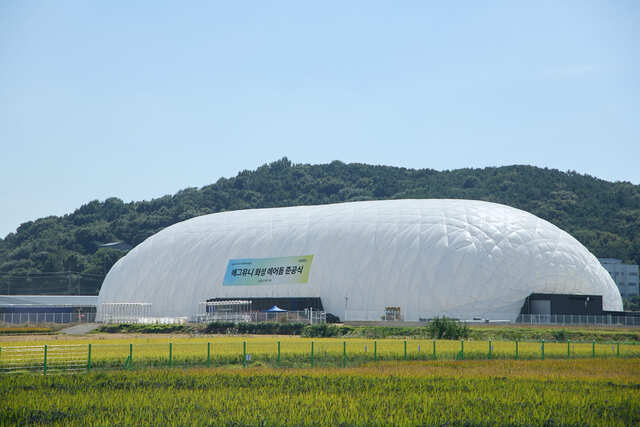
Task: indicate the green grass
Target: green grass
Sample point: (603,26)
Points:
(557,392)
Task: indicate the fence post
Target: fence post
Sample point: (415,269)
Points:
(542,349)
(89,358)
(618,350)
(405,349)
(434,349)
(170,354)
(312,354)
(568,349)
(130,355)
(593,348)
(208,355)
(516,349)
(278,353)
(344,354)
(375,351)
(244,353)
(44,366)
(490,354)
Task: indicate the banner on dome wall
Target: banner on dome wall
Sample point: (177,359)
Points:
(268,271)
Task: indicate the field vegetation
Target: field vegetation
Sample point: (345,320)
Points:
(435,330)
(131,351)
(503,392)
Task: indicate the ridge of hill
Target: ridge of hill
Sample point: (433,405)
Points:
(602,215)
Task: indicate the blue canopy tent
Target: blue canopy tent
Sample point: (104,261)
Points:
(276,312)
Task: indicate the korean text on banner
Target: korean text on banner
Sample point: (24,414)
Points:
(268,271)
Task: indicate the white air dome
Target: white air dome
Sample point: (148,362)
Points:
(433,257)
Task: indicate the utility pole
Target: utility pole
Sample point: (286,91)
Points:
(346,304)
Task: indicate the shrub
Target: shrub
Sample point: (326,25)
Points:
(291,328)
(143,329)
(559,335)
(110,328)
(325,330)
(218,327)
(262,328)
(445,328)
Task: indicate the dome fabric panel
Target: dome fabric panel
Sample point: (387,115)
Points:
(431,257)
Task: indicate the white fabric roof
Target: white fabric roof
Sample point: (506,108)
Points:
(431,257)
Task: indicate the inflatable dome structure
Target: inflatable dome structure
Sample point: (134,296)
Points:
(433,257)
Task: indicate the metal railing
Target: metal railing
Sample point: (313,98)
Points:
(143,320)
(45,317)
(578,319)
(307,316)
(44,358)
(532,319)
(125,312)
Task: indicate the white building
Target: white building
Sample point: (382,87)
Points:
(625,276)
(425,258)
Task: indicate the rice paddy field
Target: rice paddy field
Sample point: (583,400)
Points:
(602,391)
(285,351)
(105,379)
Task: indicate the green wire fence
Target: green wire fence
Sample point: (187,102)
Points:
(292,353)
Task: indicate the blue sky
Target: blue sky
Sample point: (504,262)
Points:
(141,99)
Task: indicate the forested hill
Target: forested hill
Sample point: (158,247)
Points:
(604,216)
